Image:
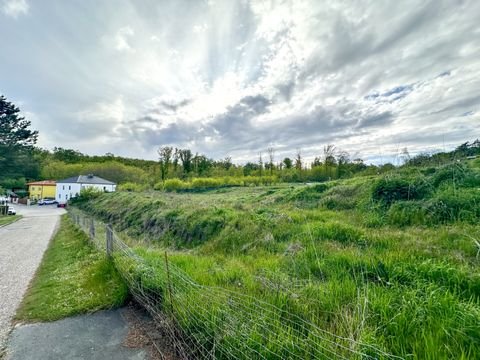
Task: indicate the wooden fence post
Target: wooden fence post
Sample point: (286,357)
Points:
(92,229)
(109,234)
(169,282)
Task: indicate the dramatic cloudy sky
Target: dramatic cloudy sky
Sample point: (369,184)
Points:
(226,77)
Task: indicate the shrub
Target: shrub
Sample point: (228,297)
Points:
(131,187)
(86,194)
(158,186)
(449,206)
(390,189)
(175,185)
(203,183)
(449,174)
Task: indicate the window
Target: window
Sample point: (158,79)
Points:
(59,196)
(69,187)
(63,187)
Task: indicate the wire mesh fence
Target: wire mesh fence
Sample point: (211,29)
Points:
(205,322)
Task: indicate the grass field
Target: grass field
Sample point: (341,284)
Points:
(388,260)
(73,278)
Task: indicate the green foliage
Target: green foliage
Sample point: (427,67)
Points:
(205,183)
(17,156)
(407,213)
(449,206)
(175,185)
(111,170)
(343,197)
(306,249)
(86,194)
(394,188)
(131,187)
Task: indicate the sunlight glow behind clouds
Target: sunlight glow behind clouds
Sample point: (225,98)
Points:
(233,77)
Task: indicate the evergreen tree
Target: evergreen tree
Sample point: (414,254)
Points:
(16,143)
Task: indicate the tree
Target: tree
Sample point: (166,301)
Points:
(329,158)
(227,163)
(343,159)
(249,168)
(260,163)
(288,163)
(14,130)
(165,158)
(271,157)
(298,160)
(186,156)
(67,155)
(16,143)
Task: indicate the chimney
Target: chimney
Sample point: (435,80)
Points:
(90,176)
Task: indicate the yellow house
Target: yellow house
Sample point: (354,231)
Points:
(42,189)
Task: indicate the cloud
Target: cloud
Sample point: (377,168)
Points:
(15,8)
(240,76)
(121,39)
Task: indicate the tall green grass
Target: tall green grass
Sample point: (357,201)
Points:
(73,278)
(388,260)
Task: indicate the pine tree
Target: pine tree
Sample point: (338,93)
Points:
(16,143)
(14,129)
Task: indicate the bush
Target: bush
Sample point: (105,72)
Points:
(131,187)
(204,183)
(175,185)
(158,186)
(86,194)
(391,189)
(449,206)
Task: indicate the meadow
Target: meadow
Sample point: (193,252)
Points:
(388,260)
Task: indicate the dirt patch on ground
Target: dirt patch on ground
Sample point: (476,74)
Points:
(144,333)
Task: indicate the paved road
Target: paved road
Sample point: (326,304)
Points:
(95,337)
(22,245)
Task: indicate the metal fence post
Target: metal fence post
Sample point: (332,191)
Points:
(109,235)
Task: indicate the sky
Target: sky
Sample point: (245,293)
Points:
(232,78)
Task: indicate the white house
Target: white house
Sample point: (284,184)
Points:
(71,187)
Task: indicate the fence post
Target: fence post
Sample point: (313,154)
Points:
(169,282)
(109,234)
(92,229)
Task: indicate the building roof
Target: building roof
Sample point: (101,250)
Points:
(43,183)
(86,179)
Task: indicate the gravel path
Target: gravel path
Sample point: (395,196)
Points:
(22,245)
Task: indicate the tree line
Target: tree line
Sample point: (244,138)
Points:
(21,160)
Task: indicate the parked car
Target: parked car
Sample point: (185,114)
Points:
(11,211)
(47,201)
(60,205)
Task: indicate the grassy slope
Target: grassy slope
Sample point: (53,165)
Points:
(5,220)
(331,248)
(73,278)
